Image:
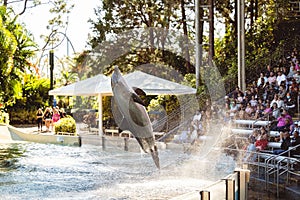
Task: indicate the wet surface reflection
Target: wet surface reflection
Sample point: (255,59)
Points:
(9,154)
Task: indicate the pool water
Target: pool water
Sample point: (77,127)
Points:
(46,171)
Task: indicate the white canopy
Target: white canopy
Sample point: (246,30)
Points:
(153,85)
(100,85)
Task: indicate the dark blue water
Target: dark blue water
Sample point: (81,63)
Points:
(45,171)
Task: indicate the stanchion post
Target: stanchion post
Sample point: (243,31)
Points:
(103,143)
(204,195)
(126,144)
(230,189)
(243,180)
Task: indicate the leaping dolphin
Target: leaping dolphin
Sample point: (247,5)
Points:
(130,114)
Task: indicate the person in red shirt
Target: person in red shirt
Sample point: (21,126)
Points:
(262,142)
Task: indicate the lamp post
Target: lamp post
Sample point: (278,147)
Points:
(51,63)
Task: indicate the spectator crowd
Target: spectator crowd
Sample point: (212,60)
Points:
(273,96)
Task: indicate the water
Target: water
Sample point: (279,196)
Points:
(45,171)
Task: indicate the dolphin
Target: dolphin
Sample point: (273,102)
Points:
(130,114)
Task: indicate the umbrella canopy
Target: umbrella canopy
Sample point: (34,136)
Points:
(100,84)
(153,85)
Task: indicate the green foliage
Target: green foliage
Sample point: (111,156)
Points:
(65,125)
(116,16)
(4,117)
(33,94)
(15,44)
(22,115)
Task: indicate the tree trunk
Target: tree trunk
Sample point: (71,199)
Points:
(186,53)
(211,31)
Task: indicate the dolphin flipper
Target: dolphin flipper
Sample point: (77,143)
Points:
(137,99)
(139,91)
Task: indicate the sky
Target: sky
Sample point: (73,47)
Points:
(36,20)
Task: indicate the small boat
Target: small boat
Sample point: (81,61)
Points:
(11,134)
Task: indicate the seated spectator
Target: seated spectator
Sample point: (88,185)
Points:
(251,148)
(241,113)
(285,143)
(295,142)
(295,128)
(253,102)
(260,112)
(280,102)
(240,98)
(281,92)
(287,116)
(261,80)
(272,79)
(233,109)
(281,78)
(297,76)
(236,92)
(268,110)
(275,111)
(292,71)
(275,100)
(227,101)
(196,122)
(271,93)
(249,111)
(282,123)
(290,104)
(262,142)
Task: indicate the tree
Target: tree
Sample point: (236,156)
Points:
(262,19)
(15,52)
(115,17)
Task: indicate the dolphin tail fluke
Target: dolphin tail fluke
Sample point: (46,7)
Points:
(154,154)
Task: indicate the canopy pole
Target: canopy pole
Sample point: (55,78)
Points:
(100,117)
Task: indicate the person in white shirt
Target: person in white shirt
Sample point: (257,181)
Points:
(280,78)
(261,80)
(275,100)
(196,120)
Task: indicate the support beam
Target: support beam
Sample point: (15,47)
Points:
(241,45)
(198,42)
(100,117)
(211,32)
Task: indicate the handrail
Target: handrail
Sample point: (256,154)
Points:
(278,159)
(260,118)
